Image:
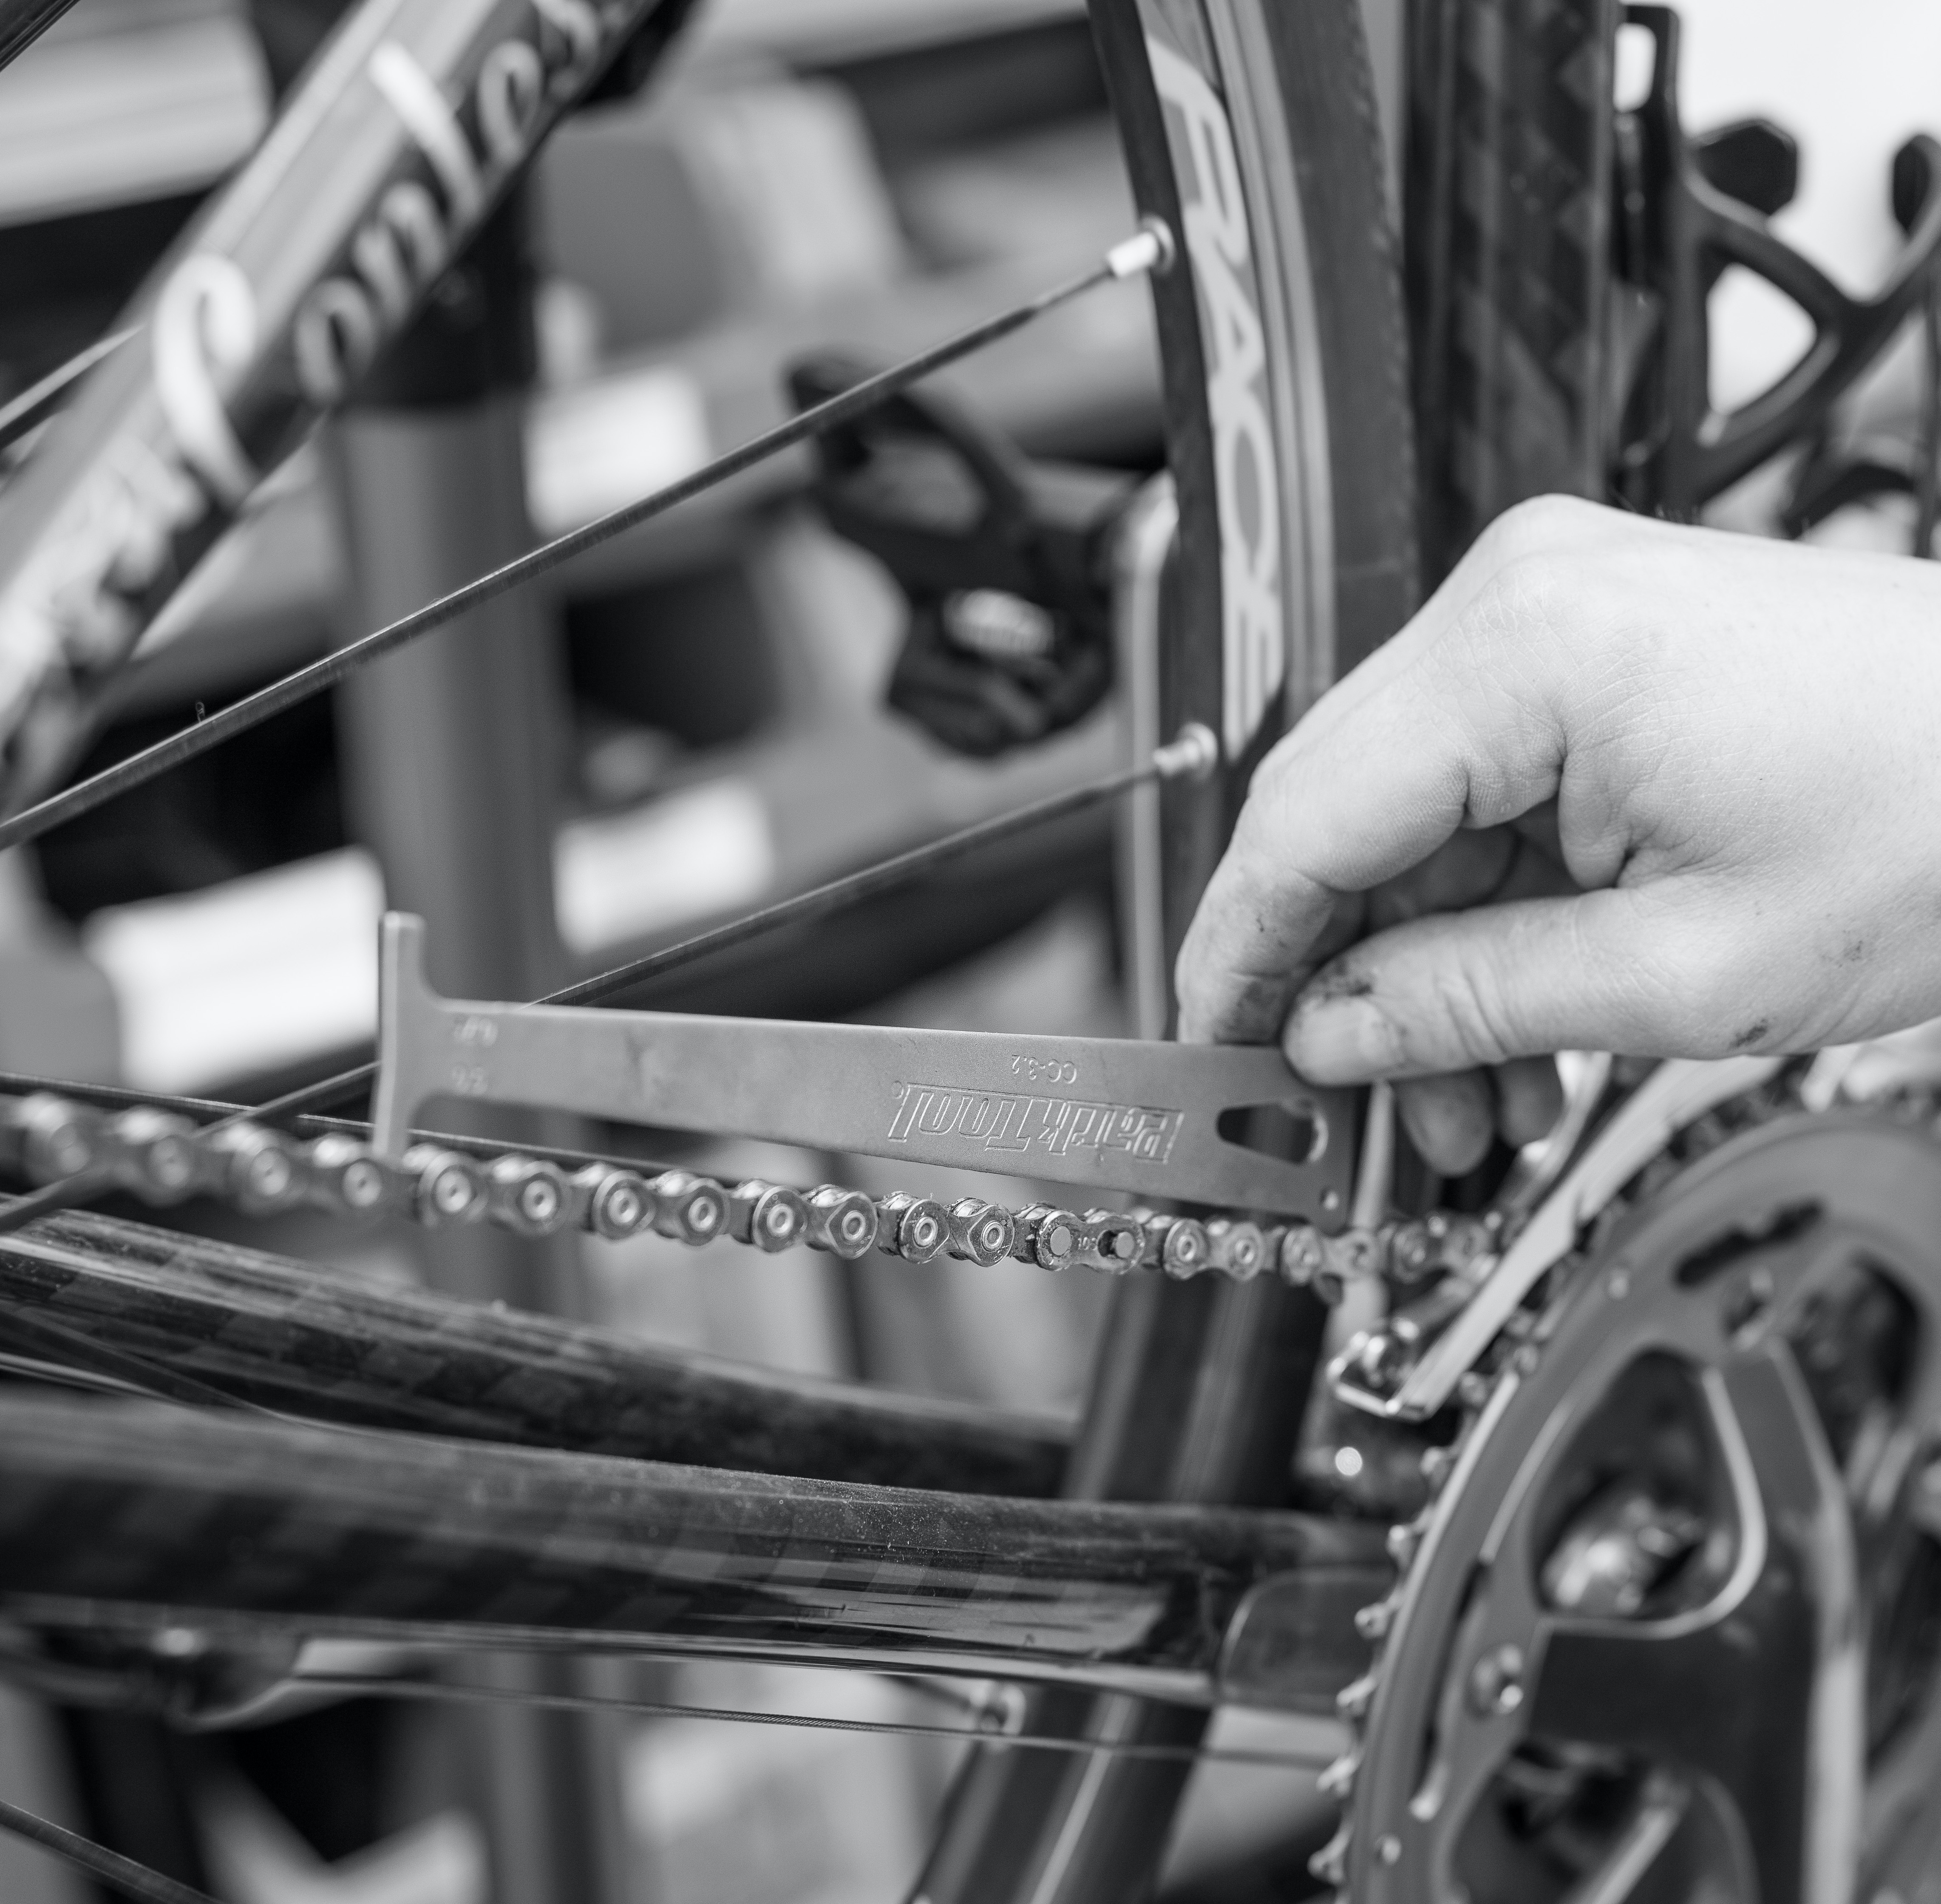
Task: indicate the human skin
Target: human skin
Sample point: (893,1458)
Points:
(1619,786)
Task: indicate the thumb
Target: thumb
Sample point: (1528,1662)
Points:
(1460,989)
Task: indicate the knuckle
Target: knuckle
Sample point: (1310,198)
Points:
(1538,526)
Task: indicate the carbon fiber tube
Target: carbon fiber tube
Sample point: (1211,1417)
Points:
(289,1337)
(404,135)
(134,1513)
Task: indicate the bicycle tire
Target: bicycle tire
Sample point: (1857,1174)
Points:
(1507,193)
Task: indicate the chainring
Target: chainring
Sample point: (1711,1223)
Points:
(1669,1628)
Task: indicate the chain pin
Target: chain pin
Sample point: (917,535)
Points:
(690,1209)
(1183,1248)
(50,1138)
(610,1202)
(1238,1247)
(841,1222)
(1114,1241)
(980,1233)
(341,1174)
(770,1216)
(527,1195)
(447,1187)
(258,1167)
(1048,1236)
(153,1154)
(915,1228)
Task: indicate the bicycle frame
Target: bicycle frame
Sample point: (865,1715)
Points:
(136,1517)
(264,317)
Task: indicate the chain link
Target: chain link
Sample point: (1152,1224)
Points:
(164,1158)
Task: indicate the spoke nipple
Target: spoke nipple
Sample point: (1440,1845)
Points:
(1150,249)
(1388,1848)
(1191,755)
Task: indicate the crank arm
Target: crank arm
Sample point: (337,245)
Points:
(1179,1122)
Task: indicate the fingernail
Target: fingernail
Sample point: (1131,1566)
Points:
(1342,1041)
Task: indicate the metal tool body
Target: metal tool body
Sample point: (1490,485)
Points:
(1158,1120)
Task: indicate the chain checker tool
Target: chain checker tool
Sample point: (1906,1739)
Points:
(1153,1120)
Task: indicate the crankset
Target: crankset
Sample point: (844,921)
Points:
(1670,1626)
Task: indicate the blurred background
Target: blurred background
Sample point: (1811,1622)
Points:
(683,724)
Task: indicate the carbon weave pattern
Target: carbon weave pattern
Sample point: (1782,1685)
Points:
(289,1337)
(134,1507)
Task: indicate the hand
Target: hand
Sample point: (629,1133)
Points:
(1619,786)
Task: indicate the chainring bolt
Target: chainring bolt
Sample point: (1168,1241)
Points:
(1496,1683)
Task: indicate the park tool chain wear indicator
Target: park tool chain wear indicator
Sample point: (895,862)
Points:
(1225,1125)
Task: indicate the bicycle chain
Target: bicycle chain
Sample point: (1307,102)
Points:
(164,1157)
(1513,1352)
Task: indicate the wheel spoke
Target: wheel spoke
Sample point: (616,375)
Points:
(1148,250)
(1187,757)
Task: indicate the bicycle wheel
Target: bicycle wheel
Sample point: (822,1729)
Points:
(1250,130)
